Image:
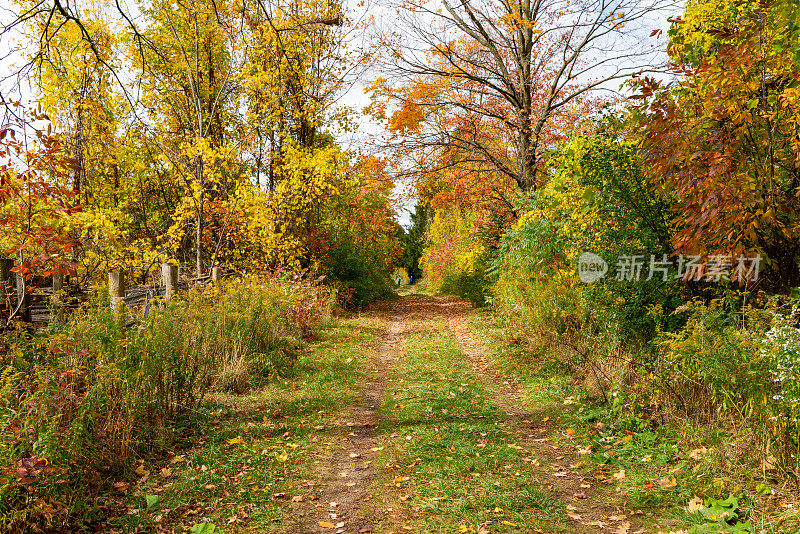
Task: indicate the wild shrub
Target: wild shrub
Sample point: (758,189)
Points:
(713,364)
(596,200)
(743,365)
(471,286)
(780,348)
(363,278)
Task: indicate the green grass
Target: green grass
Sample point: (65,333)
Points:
(462,463)
(257,450)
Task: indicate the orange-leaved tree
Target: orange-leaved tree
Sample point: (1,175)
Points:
(725,140)
(493,85)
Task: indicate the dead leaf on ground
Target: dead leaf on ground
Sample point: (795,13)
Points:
(695,504)
(697,454)
(668,482)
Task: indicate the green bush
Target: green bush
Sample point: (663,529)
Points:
(471,286)
(362,277)
(737,363)
(713,363)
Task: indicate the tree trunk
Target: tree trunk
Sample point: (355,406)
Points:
(199,235)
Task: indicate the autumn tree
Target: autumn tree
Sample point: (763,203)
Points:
(492,85)
(724,140)
(206,130)
(413,240)
(36,200)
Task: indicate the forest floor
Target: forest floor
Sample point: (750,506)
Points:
(416,416)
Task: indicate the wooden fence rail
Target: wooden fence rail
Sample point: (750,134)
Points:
(42,305)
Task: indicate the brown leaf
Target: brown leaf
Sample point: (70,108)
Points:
(695,504)
(668,482)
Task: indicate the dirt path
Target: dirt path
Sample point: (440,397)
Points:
(344,487)
(345,484)
(586,505)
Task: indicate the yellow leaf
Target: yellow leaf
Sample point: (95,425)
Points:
(326,524)
(282,457)
(234,441)
(668,482)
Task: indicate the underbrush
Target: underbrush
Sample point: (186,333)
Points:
(80,403)
(700,417)
(703,466)
(471,286)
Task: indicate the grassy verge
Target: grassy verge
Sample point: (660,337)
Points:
(258,450)
(452,463)
(683,475)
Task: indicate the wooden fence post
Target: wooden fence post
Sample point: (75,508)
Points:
(116,290)
(58,285)
(5,278)
(5,269)
(169,274)
(58,282)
